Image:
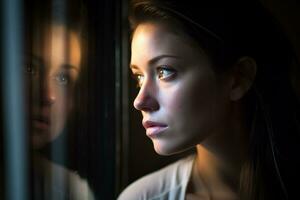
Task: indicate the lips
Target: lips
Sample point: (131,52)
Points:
(41,122)
(154,128)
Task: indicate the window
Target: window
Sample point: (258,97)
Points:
(62,88)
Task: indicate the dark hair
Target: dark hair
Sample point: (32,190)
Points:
(228,30)
(72,14)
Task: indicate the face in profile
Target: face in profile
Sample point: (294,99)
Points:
(52,68)
(181,99)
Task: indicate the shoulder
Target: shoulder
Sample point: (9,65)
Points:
(63,183)
(77,187)
(168,181)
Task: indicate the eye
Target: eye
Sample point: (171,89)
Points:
(30,69)
(139,79)
(165,72)
(62,78)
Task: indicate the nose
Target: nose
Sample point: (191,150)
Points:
(146,99)
(48,95)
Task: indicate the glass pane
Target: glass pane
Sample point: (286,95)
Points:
(68,64)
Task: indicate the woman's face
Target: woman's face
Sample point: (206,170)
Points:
(52,68)
(182,100)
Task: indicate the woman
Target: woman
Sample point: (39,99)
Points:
(53,65)
(214,75)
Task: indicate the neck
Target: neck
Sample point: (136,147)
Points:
(219,162)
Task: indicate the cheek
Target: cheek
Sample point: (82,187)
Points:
(191,97)
(64,100)
(59,113)
(191,107)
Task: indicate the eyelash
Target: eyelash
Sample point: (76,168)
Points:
(62,79)
(31,69)
(159,73)
(137,77)
(170,70)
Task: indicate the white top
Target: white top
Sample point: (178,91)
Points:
(168,183)
(53,181)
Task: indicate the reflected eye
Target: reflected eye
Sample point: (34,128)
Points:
(62,79)
(139,79)
(165,72)
(30,69)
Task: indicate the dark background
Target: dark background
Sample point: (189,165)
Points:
(142,158)
(116,151)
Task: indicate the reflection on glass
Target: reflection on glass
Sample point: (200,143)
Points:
(51,74)
(52,67)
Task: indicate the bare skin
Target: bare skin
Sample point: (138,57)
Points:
(218,165)
(52,67)
(212,119)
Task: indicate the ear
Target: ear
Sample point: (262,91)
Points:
(244,72)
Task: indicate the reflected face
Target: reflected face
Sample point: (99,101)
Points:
(181,98)
(52,68)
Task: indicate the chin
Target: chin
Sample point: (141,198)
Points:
(40,139)
(169,149)
(38,142)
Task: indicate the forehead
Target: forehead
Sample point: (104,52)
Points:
(154,39)
(54,34)
(56,44)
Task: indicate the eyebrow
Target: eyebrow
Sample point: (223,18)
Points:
(69,66)
(155,60)
(35,57)
(40,60)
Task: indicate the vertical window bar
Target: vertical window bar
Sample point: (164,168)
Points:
(124,70)
(15,141)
